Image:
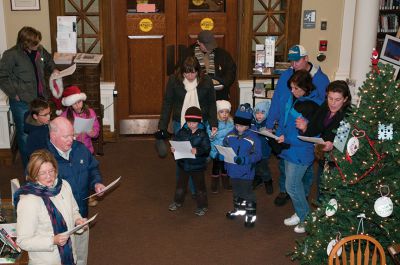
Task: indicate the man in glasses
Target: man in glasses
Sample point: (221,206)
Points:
(36,126)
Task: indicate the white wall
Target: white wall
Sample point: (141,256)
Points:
(3,39)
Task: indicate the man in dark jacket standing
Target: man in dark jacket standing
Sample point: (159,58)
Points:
(22,72)
(77,166)
(216,62)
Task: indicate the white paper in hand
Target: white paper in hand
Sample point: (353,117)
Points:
(83,125)
(78,227)
(227,152)
(315,140)
(109,186)
(183,149)
(267,133)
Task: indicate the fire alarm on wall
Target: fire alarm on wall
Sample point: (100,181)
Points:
(323,45)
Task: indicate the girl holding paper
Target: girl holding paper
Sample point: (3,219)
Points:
(45,209)
(74,100)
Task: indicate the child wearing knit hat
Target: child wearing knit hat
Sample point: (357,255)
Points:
(193,131)
(74,100)
(225,125)
(247,147)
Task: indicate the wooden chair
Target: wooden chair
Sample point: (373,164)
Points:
(358,249)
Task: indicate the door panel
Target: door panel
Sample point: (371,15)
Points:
(147,54)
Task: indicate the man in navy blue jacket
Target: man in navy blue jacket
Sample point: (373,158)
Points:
(77,166)
(298,58)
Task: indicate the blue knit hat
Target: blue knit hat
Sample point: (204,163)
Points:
(262,106)
(243,115)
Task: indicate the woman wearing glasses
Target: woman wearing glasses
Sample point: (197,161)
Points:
(45,209)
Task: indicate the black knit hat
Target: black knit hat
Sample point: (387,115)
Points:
(243,115)
(193,114)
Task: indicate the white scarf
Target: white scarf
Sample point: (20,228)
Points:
(191,98)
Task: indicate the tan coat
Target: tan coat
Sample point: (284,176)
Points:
(34,228)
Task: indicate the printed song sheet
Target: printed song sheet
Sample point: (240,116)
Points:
(183,149)
(83,125)
(267,133)
(315,140)
(109,186)
(78,227)
(227,152)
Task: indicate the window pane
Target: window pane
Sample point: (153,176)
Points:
(132,5)
(206,5)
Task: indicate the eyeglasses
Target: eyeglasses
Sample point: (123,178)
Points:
(45,115)
(50,172)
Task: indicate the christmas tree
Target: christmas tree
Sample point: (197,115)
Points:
(361,187)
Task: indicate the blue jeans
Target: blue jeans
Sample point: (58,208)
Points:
(307,179)
(176,127)
(18,110)
(295,188)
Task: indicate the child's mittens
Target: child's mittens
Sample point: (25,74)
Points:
(240,160)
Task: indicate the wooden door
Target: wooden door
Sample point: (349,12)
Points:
(147,47)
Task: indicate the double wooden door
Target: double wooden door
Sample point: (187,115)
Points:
(148,47)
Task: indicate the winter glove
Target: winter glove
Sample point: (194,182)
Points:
(161,148)
(240,160)
(161,134)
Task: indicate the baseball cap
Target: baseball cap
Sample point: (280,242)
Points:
(296,52)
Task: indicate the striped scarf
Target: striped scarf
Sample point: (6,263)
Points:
(211,64)
(57,220)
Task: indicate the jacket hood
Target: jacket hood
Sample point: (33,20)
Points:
(263,107)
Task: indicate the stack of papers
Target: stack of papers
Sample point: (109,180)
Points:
(315,140)
(227,152)
(183,149)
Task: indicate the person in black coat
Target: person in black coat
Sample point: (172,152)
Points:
(326,120)
(195,132)
(215,62)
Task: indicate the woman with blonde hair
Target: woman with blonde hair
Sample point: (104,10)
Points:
(46,208)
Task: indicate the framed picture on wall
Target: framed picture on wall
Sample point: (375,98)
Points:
(25,5)
(396,69)
(391,50)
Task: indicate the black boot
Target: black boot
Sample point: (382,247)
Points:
(281,199)
(214,184)
(257,181)
(226,182)
(238,209)
(251,212)
(269,188)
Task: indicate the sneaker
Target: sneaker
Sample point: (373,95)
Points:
(200,211)
(281,199)
(174,206)
(300,228)
(292,220)
(269,188)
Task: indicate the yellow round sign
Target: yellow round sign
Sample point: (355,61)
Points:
(207,24)
(197,2)
(145,25)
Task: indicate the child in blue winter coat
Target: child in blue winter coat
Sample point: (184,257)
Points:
(263,174)
(194,131)
(247,147)
(225,125)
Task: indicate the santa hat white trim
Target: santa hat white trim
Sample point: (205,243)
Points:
(71,100)
(59,89)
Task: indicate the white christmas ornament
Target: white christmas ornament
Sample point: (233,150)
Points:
(353,145)
(331,245)
(385,132)
(384,205)
(341,135)
(332,207)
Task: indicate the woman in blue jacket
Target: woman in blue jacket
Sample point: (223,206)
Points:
(300,155)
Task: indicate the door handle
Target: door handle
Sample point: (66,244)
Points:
(170,59)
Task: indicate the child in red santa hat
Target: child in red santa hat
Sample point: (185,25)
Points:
(74,100)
